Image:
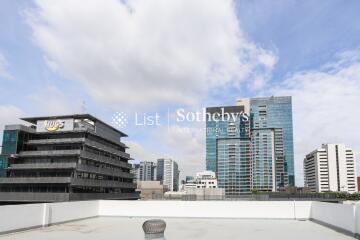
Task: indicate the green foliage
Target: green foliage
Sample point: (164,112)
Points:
(348,196)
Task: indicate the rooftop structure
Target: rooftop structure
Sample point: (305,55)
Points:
(64,158)
(205,179)
(184,220)
(150,190)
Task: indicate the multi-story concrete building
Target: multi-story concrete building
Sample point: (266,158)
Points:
(64,158)
(167,172)
(150,190)
(250,145)
(330,168)
(145,171)
(205,179)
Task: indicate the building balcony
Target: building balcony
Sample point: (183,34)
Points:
(103,196)
(104,171)
(62,197)
(55,141)
(67,180)
(105,148)
(72,152)
(42,166)
(104,159)
(78,167)
(35,180)
(101,183)
(33,197)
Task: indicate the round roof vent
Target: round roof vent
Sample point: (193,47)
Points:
(154,229)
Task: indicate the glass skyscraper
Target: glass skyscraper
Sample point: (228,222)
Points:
(253,148)
(10,139)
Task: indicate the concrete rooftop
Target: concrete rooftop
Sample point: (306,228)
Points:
(112,228)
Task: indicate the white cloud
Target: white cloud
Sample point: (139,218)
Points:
(49,100)
(184,145)
(4,73)
(142,52)
(139,153)
(325,106)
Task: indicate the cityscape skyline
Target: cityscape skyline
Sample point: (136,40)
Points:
(52,73)
(180,119)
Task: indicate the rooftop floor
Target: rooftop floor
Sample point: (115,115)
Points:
(112,228)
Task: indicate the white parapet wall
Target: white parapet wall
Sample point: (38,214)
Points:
(357,220)
(341,216)
(25,216)
(207,209)
(69,211)
(18,217)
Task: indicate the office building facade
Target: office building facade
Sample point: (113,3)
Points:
(330,168)
(167,172)
(205,179)
(145,171)
(65,158)
(250,145)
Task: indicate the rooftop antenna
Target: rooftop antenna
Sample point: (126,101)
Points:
(83,107)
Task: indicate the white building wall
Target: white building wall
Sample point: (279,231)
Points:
(331,158)
(335,169)
(24,216)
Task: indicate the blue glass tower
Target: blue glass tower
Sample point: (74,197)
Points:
(255,152)
(228,148)
(275,114)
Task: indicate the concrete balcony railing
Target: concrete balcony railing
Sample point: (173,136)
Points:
(117,196)
(55,141)
(105,148)
(62,197)
(34,197)
(101,183)
(103,159)
(29,180)
(50,153)
(43,166)
(66,180)
(104,171)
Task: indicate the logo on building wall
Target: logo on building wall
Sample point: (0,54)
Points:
(54,125)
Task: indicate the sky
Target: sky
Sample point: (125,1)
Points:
(146,60)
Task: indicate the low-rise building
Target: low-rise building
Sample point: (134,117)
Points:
(205,179)
(150,190)
(196,194)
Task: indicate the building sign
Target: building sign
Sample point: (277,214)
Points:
(55,125)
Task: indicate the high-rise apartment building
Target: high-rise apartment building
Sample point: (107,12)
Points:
(330,168)
(250,145)
(65,158)
(145,171)
(167,172)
